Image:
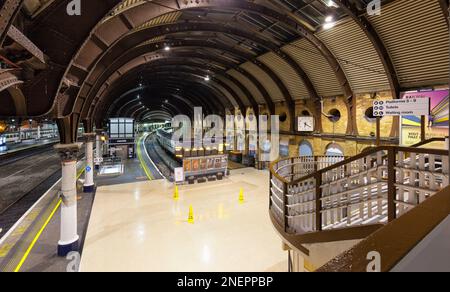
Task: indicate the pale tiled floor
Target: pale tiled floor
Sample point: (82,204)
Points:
(139,227)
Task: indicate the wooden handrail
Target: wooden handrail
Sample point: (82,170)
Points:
(429,141)
(385,156)
(355,158)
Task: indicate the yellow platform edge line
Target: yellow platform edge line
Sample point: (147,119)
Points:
(38,235)
(141,160)
(36,238)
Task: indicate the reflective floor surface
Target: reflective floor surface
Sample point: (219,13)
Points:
(140,227)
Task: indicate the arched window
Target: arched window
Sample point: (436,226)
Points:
(306,149)
(284,148)
(334,150)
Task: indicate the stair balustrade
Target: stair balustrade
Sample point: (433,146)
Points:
(313,194)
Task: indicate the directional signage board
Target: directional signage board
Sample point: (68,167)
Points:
(98,160)
(402,107)
(179,174)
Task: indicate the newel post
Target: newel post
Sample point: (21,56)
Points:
(285,205)
(318,178)
(392,179)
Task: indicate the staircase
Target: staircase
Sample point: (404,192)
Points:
(323,199)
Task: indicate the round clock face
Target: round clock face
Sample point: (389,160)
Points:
(306,124)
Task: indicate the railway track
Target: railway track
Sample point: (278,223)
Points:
(164,163)
(25,182)
(11,157)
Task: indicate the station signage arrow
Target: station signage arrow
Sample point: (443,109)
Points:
(402,107)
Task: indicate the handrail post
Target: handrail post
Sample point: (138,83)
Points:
(392,179)
(316,164)
(270,189)
(292,169)
(318,201)
(285,204)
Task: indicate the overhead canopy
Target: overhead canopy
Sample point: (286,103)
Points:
(135,58)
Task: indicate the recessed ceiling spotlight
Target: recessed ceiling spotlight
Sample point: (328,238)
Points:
(329,18)
(330,3)
(207,78)
(329,25)
(166,48)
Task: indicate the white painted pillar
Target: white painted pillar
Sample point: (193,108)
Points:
(39,132)
(69,239)
(98,148)
(88,186)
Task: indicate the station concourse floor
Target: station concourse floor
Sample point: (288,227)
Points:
(140,227)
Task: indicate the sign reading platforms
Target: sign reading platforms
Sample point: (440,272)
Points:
(402,107)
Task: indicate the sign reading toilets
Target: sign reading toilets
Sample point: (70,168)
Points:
(402,107)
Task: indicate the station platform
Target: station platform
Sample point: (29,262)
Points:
(140,227)
(16,148)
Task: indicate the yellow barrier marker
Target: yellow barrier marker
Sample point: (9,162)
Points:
(241,197)
(191,215)
(176,194)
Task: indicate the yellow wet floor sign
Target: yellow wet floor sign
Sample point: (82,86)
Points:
(191,215)
(241,197)
(176,194)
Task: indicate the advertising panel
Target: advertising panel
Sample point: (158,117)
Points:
(436,123)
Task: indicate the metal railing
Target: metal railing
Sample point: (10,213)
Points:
(374,187)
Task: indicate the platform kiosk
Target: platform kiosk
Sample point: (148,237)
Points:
(122,138)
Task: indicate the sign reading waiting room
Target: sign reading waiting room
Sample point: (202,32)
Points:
(402,107)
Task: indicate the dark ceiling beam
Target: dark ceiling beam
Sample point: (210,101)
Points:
(134,71)
(173,109)
(364,23)
(8,12)
(147,101)
(138,37)
(445,9)
(141,116)
(118,105)
(292,20)
(114,104)
(119,111)
(199,96)
(138,51)
(60,36)
(200,70)
(171,82)
(201,73)
(99,110)
(187,72)
(119,60)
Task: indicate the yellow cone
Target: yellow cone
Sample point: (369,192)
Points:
(241,196)
(176,194)
(191,215)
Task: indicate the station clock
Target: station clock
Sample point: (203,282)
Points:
(306,124)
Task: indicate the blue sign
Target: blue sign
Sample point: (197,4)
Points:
(88,169)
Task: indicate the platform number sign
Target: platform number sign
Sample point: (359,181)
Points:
(88,169)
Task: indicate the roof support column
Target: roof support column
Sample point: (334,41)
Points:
(69,239)
(89,185)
